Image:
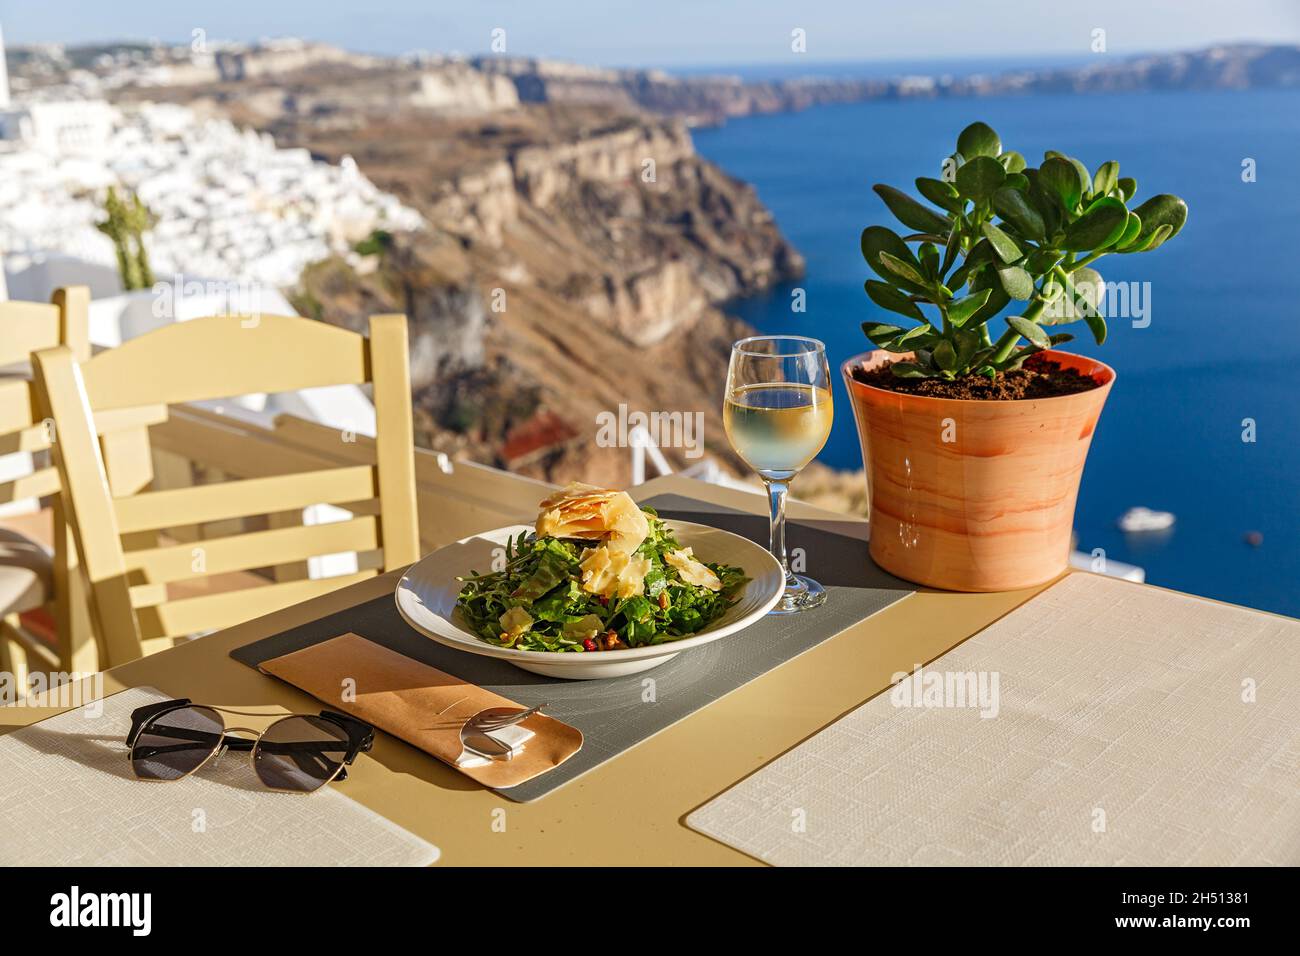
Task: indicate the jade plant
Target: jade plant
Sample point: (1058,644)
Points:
(1002,232)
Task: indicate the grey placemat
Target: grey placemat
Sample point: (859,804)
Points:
(619,713)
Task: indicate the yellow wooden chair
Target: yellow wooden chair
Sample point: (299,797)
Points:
(43,622)
(133,582)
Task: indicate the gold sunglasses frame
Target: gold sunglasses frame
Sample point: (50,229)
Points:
(221,746)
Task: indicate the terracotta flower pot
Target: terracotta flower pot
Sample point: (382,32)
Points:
(974,495)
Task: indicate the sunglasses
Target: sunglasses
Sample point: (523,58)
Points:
(296,754)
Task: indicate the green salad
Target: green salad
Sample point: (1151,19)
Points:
(541,600)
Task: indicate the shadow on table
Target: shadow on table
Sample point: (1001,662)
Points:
(107,754)
(102,752)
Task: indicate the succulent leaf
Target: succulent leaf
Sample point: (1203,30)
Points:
(980,178)
(910,212)
(978,139)
(1030,330)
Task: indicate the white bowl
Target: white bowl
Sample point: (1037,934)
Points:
(426,598)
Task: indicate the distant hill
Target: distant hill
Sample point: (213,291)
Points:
(716,98)
(483,84)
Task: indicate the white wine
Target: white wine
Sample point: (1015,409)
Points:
(778,416)
(778,428)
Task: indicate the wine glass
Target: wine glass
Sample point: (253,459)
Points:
(778,416)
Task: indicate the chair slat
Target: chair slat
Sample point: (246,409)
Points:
(36,485)
(214,611)
(139,416)
(27,327)
(257,549)
(225,355)
(22,428)
(34,438)
(238,499)
(17,405)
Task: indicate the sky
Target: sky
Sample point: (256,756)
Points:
(676,33)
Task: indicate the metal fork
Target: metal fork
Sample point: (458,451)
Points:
(474,732)
(494,718)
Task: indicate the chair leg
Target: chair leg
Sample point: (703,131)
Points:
(13,656)
(77,650)
(83,652)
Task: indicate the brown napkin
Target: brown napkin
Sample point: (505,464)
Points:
(420,704)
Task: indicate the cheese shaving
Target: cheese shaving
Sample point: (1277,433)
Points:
(613,573)
(692,571)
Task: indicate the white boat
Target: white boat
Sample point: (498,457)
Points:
(1144,519)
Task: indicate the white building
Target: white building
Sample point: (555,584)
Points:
(54,124)
(228,202)
(68,127)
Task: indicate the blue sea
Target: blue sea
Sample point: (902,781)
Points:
(1223,343)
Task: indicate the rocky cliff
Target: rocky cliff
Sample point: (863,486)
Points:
(574,264)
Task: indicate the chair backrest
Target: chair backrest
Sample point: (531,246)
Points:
(27,327)
(214,358)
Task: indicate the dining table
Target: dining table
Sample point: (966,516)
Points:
(631,809)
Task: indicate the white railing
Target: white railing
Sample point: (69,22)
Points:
(645,448)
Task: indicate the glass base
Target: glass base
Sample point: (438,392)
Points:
(803,595)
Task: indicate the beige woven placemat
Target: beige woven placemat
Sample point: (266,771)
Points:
(1129,726)
(70,799)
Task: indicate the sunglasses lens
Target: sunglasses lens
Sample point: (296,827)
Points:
(300,753)
(176,743)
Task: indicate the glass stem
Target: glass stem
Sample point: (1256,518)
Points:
(776,494)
